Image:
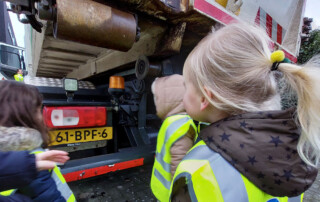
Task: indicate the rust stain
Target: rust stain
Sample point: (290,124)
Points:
(172,41)
(95,24)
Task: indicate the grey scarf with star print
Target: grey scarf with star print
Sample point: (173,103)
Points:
(263,147)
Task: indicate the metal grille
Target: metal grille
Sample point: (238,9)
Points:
(52,82)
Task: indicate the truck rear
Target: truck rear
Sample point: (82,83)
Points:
(94,62)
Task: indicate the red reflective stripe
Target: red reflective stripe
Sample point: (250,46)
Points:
(218,14)
(287,54)
(279,34)
(83,174)
(290,56)
(269,25)
(213,11)
(257,20)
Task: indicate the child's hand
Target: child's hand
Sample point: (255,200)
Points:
(47,160)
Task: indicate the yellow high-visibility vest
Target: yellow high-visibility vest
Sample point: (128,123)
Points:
(58,178)
(210,177)
(172,129)
(18,77)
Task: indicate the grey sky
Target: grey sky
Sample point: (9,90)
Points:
(313,11)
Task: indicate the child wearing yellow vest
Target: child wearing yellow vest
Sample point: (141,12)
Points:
(176,135)
(22,129)
(254,150)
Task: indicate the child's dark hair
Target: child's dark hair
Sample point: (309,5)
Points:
(18,107)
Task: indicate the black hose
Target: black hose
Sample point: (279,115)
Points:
(35,23)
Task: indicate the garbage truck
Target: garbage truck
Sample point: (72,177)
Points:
(94,62)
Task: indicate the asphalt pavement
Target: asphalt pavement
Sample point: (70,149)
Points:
(313,194)
(133,185)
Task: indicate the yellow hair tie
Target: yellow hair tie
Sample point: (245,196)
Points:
(277,56)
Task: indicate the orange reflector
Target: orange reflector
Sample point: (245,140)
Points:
(116,82)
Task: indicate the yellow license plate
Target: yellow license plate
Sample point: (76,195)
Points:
(80,135)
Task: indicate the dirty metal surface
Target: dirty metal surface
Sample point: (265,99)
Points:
(161,9)
(151,34)
(95,24)
(172,41)
(170,13)
(60,58)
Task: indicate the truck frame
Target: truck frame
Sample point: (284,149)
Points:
(138,40)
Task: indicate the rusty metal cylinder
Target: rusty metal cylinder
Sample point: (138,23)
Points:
(95,24)
(144,68)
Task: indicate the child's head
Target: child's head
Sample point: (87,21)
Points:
(233,65)
(229,72)
(168,94)
(19,71)
(20,105)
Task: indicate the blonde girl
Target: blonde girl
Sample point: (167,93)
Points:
(253,150)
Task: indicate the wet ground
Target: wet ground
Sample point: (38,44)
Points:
(313,194)
(132,185)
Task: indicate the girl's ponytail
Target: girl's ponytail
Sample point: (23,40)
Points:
(305,80)
(236,65)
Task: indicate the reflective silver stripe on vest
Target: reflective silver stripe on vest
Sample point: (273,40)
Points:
(294,199)
(223,172)
(163,181)
(165,165)
(38,150)
(189,184)
(62,187)
(170,130)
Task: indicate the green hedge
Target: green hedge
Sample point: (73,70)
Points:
(310,48)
